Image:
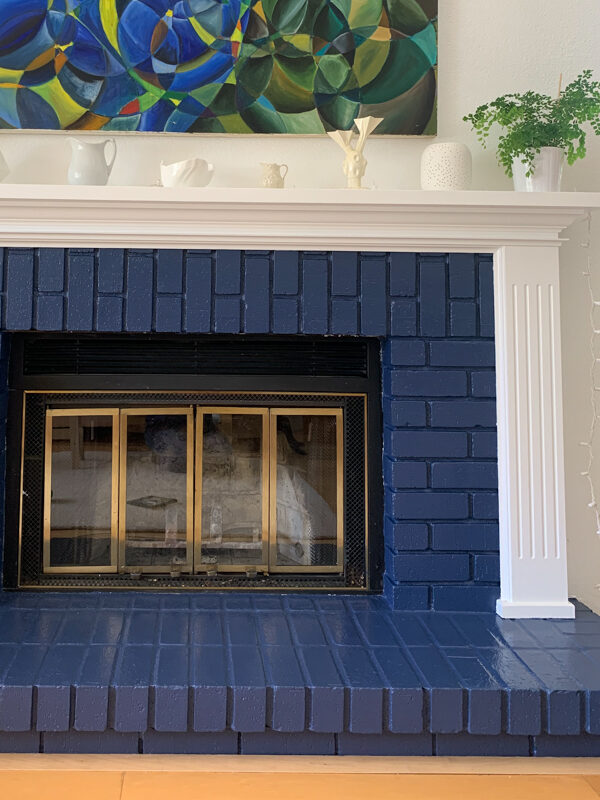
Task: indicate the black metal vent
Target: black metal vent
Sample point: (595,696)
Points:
(185,355)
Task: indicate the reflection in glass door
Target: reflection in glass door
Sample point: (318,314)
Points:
(80,497)
(306,530)
(232,491)
(156,490)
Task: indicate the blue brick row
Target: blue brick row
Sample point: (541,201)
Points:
(272,743)
(371,294)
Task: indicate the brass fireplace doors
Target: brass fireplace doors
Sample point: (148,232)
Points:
(193,489)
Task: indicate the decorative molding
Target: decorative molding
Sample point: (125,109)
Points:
(284,219)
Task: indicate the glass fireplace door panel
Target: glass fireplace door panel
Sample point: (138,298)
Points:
(156,490)
(306,490)
(80,497)
(233,489)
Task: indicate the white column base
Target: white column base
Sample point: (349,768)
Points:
(512,610)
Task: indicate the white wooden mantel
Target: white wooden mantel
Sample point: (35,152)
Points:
(523,231)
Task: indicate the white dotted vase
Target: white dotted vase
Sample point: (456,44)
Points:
(446,166)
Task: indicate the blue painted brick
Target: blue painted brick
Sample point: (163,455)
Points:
(567,746)
(429,505)
(424,444)
(405,413)
(465,536)
(111,270)
(80,291)
(190,743)
(344,273)
(405,596)
(405,697)
(86,742)
(405,474)
(23,742)
(168,314)
(286,695)
(373,308)
(248,705)
(256,295)
(463,318)
(344,316)
(433,295)
(51,269)
(463,414)
(428,383)
(198,293)
(403,318)
(326,692)
(285,315)
(405,353)
(53,708)
(485,505)
(19,289)
(486,298)
(388,744)
(138,314)
(365,705)
(428,567)
(109,313)
(403,274)
(486,568)
(314,300)
(483,384)
(285,272)
(465,598)
(290,744)
(169,271)
(49,313)
(209,683)
(227,272)
(464,475)
(461,272)
(406,536)
(227,315)
(475,353)
(466,744)
(484,444)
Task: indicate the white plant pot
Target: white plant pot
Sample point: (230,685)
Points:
(547,172)
(446,166)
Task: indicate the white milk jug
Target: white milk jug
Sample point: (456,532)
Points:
(89,165)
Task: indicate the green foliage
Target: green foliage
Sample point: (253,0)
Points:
(531,121)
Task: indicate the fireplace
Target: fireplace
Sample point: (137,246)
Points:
(196,462)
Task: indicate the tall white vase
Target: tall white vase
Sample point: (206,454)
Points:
(446,166)
(547,172)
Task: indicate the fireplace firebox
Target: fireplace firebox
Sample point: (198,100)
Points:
(208,462)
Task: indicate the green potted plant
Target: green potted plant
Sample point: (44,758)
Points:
(539,132)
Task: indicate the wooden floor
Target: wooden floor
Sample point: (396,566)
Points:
(40,777)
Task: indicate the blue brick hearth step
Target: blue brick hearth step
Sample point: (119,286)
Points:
(123,672)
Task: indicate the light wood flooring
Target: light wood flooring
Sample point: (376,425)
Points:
(48,777)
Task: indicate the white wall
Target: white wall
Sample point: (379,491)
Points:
(487,48)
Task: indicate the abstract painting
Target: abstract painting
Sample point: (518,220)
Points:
(218,66)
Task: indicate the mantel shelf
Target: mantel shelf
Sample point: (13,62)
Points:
(303,219)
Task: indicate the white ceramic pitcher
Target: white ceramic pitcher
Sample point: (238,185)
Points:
(89,165)
(271,175)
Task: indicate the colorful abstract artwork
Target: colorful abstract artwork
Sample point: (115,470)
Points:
(218,66)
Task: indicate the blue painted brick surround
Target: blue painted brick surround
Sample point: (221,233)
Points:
(434,316)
